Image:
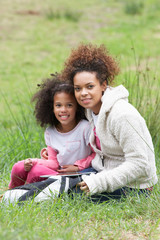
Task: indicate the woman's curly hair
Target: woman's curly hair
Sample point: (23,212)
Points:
(90,58)
(44,98)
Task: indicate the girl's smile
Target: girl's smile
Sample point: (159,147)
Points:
(64,117)
(88,90)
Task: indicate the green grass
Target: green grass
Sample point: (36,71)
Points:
(65,218)
(35,39)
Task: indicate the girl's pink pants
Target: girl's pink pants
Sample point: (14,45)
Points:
(19,176)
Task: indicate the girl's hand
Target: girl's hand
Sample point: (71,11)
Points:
(68,168)
(28,164)
(44,154)
(84,187)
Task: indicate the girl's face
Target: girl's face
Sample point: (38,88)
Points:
(64,108)
(88,90)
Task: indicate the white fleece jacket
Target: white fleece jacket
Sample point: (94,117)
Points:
(126,146)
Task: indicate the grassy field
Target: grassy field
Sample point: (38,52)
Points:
(35,39)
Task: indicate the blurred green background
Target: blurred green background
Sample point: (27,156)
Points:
(37,36)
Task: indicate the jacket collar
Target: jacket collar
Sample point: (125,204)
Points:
(110,97)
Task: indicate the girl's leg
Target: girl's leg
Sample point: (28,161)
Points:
(18,175)
(38,170)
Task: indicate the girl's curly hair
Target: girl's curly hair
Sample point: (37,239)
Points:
(44,98)
(90,58)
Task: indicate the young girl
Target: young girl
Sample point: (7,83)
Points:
(119,133)
(67,137)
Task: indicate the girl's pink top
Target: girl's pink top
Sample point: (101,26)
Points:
(53,163)
(97,139)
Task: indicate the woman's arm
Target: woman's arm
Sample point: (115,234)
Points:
(44,153)
(133,137)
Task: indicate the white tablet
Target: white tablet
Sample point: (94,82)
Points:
(68,174)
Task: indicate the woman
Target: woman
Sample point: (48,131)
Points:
(119,135)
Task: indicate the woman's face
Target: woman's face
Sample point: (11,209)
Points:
(88,90)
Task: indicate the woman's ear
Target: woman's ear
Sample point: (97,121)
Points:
(104,85)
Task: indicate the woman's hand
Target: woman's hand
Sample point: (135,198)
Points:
(28,164)
(68,168)
(44,154)
(84,187)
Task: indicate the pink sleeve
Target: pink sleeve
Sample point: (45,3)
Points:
(85,162)
(52,161)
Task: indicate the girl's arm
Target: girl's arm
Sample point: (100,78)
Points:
(78,165)
(85,162)
(52,161)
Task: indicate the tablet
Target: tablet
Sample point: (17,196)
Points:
(67,174)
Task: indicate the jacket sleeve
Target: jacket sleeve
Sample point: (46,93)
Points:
(133,137)
(52,161)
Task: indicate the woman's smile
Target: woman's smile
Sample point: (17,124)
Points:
(86,100)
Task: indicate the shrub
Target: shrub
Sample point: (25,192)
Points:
(134,7)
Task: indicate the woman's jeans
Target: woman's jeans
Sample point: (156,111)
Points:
(117,194)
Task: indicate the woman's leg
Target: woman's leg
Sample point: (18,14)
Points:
(18,175)
(105,196)
(117,194)
(101,197)
(90,169)
(38,170)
